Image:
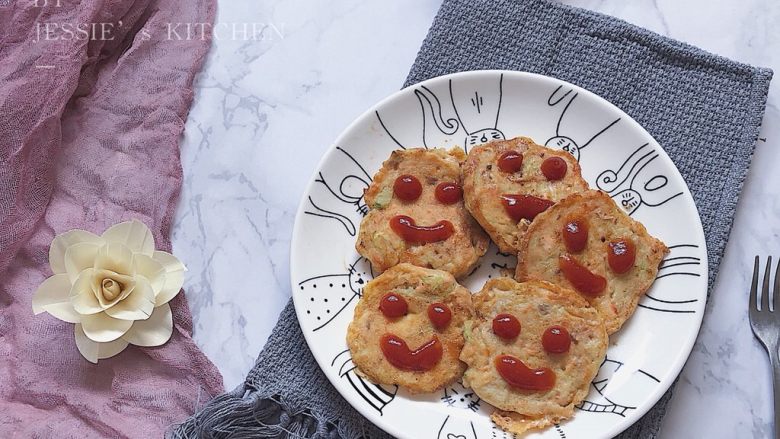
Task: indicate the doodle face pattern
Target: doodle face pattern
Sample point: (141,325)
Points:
(338,199)
(463,116)
(328,295)
(573,137)
(619,402)
(638,181)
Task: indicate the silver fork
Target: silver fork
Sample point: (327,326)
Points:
(765,323)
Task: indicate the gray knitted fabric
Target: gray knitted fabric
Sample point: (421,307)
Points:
(704,110)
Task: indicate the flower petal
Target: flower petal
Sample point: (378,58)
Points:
(150,269)
(63,311)
(88,348)
(79,257)
(82,295)
(61,243)
(138,305)
(154,331)
(94,351)
(55,289)
(174,277)
(133,234)
(115,257)
(103,328)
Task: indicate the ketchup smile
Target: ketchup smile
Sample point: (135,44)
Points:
(406,228)
(520,376)
(520,207)
(587,283)
(422,359)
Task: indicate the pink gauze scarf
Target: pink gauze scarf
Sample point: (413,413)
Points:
(89,133)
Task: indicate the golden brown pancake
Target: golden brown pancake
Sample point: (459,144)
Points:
(380,244)
(484,184)
(538,306)
(543,244)
(420,288)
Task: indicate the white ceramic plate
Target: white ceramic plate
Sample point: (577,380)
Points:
(617,156)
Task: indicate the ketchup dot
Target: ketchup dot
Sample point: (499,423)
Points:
(448,193)
(393,305)
(554,168)
(556,340)
(439,315)
(506,326)
(407,188)
(575,234)
(621,256)
(510,161)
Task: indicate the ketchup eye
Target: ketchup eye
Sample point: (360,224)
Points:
(556,340)
(506,326)
(510,162)
(449,193)
(554,168)
(407,188)
(393,305)
(439,315)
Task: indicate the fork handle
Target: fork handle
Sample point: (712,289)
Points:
(774,357)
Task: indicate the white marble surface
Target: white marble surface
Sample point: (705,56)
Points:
(266,109)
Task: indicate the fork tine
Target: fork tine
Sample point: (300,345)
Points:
(765,286)
(776,291)
(753,301)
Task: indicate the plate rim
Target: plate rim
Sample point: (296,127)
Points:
(679,361)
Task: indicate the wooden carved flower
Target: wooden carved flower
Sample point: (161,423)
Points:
(114,287)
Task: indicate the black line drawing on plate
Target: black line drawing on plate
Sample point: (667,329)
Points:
(618,402)
(459,397)
(455,428)
(377,396)
(637,182)
(478,114)
(558,429)
(448,126)
(467,115)
(328,295)
(682,260)
(563,138)
(342,198)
